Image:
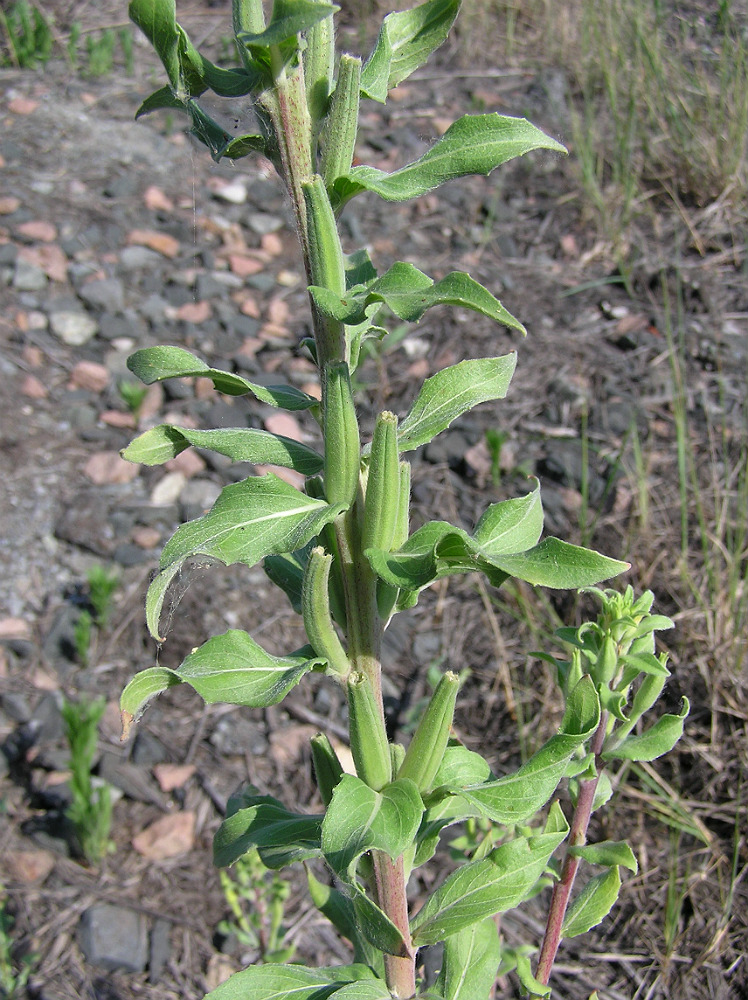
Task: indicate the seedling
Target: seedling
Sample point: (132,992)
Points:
(14,972)
(90,811)
(342,550)
(256,897)
(132,394)
(27,36)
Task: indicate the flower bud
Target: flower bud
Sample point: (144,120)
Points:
(315,610)
(369,745)
(327,767)
(382,486)
(342,443)
(426,750)
(341,126)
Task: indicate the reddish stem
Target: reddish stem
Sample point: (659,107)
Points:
(577,837)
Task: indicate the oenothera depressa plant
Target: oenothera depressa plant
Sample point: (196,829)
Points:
(342,551)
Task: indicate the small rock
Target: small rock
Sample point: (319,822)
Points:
(108,467)
(34,388)
(244,266)
(188,462)
(73,328)
(197,497)
(135,258)
(49,257)
(235,192)
(167,490)
(104,293)
(194,312)
(9,205)
(90,375)
(235,736)
(148,749)
(263,223)
(114,937)
(155,199)
(285,425)
(162,243)
(172,776)
(146,538)
(130,779)
(167,837)
(38,231)
(28,277)
(160,949)
(117,418)
(84,522)
(22,105)
(29,866)
(272,243)
(16,707)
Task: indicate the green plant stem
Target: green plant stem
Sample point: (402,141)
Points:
(577,838)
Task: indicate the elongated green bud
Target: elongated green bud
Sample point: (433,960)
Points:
(315,610)
(326,266)
(646,695)
(327,768)
(340,427)
(382,486)
(319,56)
(426,750)
(340,128)
(247,15)
(387,594)
(607,661)
(369,745)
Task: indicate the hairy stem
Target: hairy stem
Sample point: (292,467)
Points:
(577,838)
(400,970)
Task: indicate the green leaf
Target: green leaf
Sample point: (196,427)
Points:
(234,669)
(481,889)
(409,292)
(145,685)
(593,903)
(154,364)
(375,925)
(289,19)
(157,19)
(461,766)
(653,742)
(339,909)
(609,853)
(512,525)
(220,142)
(374,990)
(474,144)
(287,572)
(359,819)
(160,99)
(560,566)
(228,668)
(533,987)
(289,982)
(518,796)
(406,40)
(451,392)
(469,965)
(240,444)
(257,517)
(262,821)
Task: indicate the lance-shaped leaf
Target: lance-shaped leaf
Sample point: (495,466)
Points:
(409,292)
(374,924)
(406,40)
(593,903)
(252,519)
(481,889)
(469,965)
(339,909)
(220,142)
(359,819)
(474,144)
(145,685)
(609,853)
(292,982)
(240,444)
(659,739)
(287,572)
(154,364)
(451,392)
(288,19)
(229,668)
(517,796)
(262,821)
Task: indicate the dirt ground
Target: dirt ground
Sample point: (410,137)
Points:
(592,410)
